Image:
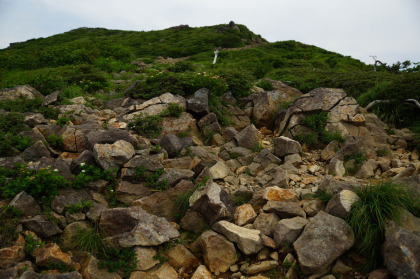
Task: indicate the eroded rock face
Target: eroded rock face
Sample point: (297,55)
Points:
(126,227)
(323,240)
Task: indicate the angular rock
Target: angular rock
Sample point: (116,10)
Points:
(288,230)
(277,194)
(202,273)
(68,197)
(244,214)
(165,271)
(323,240)
(219,170)
(126,227)
(19,92)
(109,136)
(218,253)
(214,204)
(173,144)
(35,152)
(51,253)
(111,156)
(198,104)
(284,209)
(40,225)
(50,99)
(10,256)
(312,207)
(266,222)
(262,267)
(128,192)
(145,257)
(90,270)
(34,119)
(181,258)
(248,241)
(336,168)
(284,146)
(401,251)
(86,158)
(165,203)
(174,176)
(193,221)
(26,203)
(248,137)
(340,204)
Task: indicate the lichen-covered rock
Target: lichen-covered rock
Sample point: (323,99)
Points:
(126,227)
(266,223)
(340,204)
(146,258)
(173,144)
(10,256)
(51,253)
(277,194)
(181,258)
(288,230)
(19,92)
(323,240)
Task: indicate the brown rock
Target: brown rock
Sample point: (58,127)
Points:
(90,270)
(10,256)
(51,253)
(244,214)
(180,257)
(277,194)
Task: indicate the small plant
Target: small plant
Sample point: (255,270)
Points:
(207,136)
(152,180)
(389,131)
(61,121)
(89,240)
(10,218)
(368,216)
(353,163)
(182,202)
(173,110)
(257,147)
(383,152)
(149,125)
(77,207)
(266,85)
(61,267)
(31,244)
(323,196)
(89,173)
(234,155)
(116,260)
(155,149)
(55,141)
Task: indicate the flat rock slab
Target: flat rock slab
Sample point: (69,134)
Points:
(284,209)
(323,240)
(248,241)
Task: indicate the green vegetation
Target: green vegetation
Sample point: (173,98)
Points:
(152,179)
(43,185)
(90,173)
(11,143)
(29,105)
(55,141)
(61,267)
(383,152)
(10,219)
(264,84)
(79,207)
(61,121)
(353,163)
(317,123)
(31,244)
(172,110)
(257,147)
(368,216)
(116,260)
(89,240)
(323,196)
(146,125)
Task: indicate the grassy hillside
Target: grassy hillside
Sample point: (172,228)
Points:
(87,60)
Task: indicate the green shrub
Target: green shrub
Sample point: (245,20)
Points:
(10,219)
(62,121)
(55,141)
(383,152)
(152,179)
(323,196)
(31,244)
(43,185)
(368,216)
(222,112)
(353,163)
(79,207)
(239,81)
(89,240)
(13,144)
(266,85)
(149,125)
(61,267)
(181,67)
(90,173)
(116,260)
(12,122)
(172,109)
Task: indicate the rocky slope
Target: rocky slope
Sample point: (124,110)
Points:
(199,200)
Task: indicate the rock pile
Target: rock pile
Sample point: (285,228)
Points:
(241,206)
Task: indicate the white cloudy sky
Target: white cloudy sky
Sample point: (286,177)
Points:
(389,29)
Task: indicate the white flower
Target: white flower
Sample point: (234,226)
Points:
(56,170)
(83,170)
(82,164)
(111,191)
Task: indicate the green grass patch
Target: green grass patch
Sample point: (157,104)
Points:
(368,216)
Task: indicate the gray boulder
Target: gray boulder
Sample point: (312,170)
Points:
(284,209)
(323,240)
(198,104)
(41,226)
(35,152)
(341,203)
(248,137)
(284,146)
(173,144)
(108,136)
(288,230)
(26,203)
(111,156)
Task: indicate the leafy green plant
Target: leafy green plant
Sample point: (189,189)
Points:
(79,207)
(149,125)
(389,131)
(173,109)
(152,179)
(116,260)
(10,219)
(55,141)
(12,122)
(43,185)
(368,216)
(61,121)
(323,196)
(31,243)
(234,155)
(61,267)
(257,147)
(90,173)
(265,84)
(13,144)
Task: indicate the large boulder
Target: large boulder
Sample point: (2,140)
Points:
(19,92)
(323,240)
(248,137)
(26,203)
(173,144)
(35,152)
(111,156)
(108,136)
(284,146)
(41,226)
(198,104)
(126,227)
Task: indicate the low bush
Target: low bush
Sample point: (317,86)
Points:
(55,141)
(31,243)
(90,173)
(12,122)
(172,110)
(89,240)
(368,216)
(152,179)
(266,85)
(10,219)
(239,81)
(146,125)
(11,145)
(116,260)
(354,162)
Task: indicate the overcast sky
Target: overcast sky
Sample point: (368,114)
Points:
(389,29)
